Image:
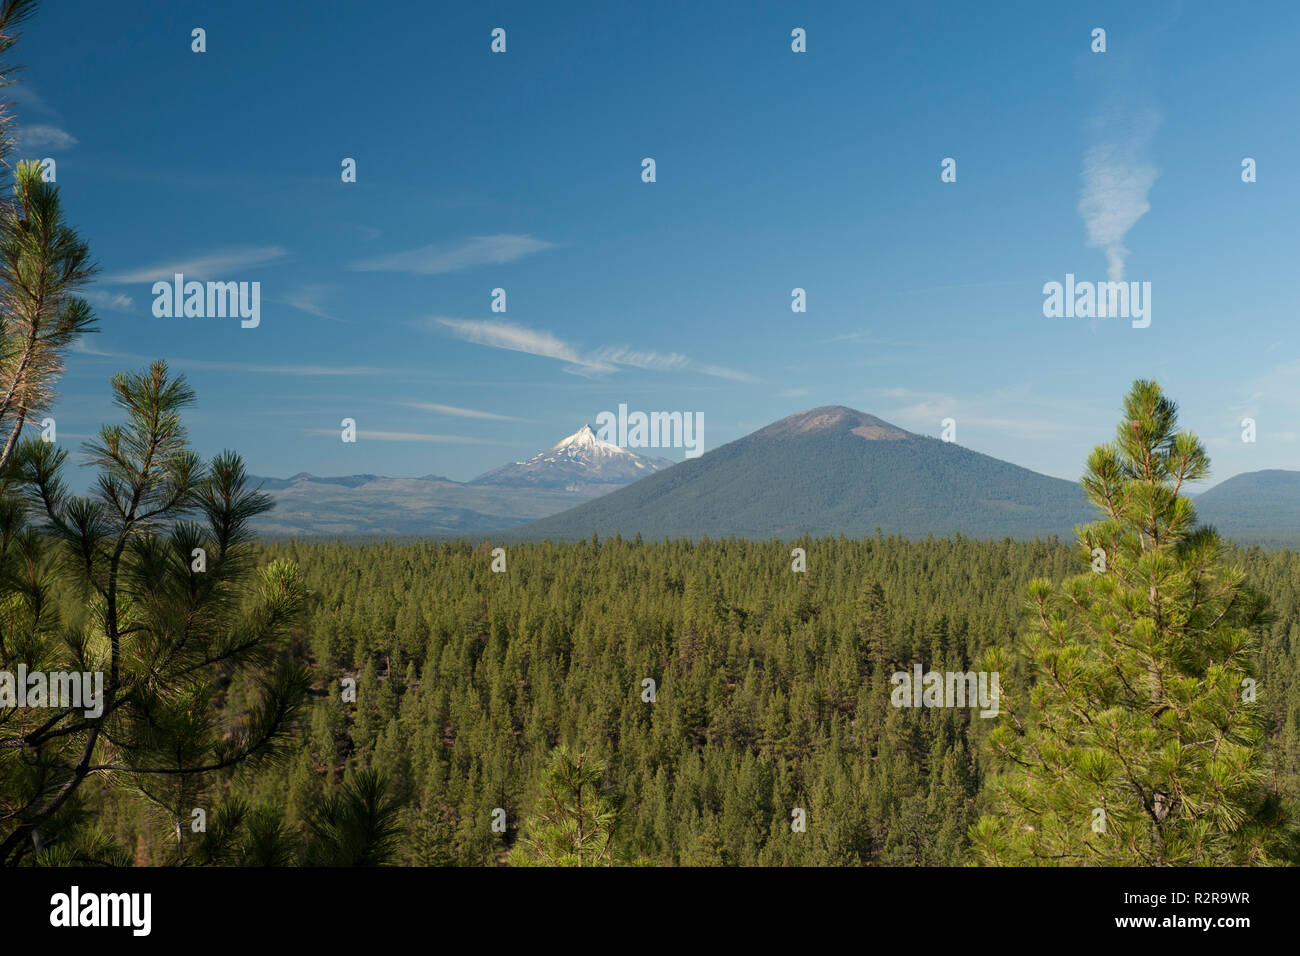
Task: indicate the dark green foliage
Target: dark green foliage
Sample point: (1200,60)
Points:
(356,826)
(772,692)
(43,264)
(239,835)
(772,688)
(188,633)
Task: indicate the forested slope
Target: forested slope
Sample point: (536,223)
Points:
(831,470)
(772,689)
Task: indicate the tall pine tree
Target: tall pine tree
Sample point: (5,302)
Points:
(178,617)
(1139,741)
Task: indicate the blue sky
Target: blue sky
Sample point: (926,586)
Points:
(775,170)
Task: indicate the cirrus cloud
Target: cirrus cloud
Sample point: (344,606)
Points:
(499,334)
(473,252)
(45,137)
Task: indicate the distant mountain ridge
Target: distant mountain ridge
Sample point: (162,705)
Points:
(571,471)
(831,470)
(348,481)
(1258,507)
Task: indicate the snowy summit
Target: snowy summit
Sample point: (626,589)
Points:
(580,459)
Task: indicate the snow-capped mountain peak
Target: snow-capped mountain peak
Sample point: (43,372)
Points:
(581,458)
(585,442)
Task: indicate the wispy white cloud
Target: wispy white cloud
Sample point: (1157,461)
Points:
(1117,175)
(44,137)
(1003,411)
(82,347)
(108,300)
(25,97)
(928,416)
(473,252)
(211,265)
(461,412)
(364,435)
(497,333)
(864,338)
(310,299)
(259,369)
(951,287)
(720,371)
(622,355)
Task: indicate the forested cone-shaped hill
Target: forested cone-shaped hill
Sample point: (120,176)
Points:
(831,470)
(1262,507)
(772,691)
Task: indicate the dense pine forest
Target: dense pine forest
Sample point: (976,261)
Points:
(176,691)
(611,701)
(772,693)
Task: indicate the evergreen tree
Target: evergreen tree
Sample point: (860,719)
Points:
(186,632)
(358,826)
(574,823)
(1139,741)
(43,263)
